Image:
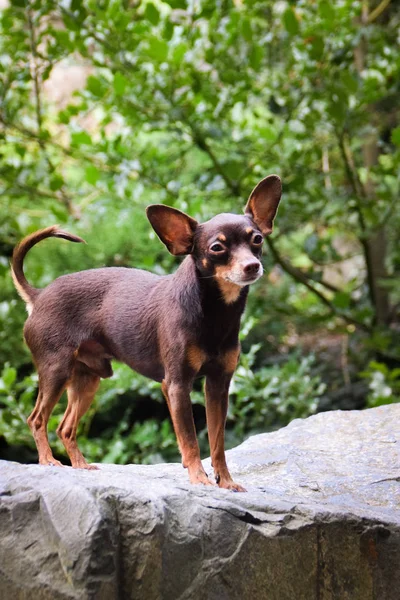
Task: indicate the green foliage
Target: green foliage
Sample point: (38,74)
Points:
(384,384)
(16,401)
(190,105)
(267,396)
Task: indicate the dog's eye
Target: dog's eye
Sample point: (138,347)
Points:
(216,247)
(258,239)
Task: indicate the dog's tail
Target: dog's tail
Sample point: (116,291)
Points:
(27,292)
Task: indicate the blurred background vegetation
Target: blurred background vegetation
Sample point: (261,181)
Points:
(108,105)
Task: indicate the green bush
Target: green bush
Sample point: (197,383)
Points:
(271,396)
(383,383)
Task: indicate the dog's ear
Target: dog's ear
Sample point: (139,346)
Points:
(173,227)
(263,203)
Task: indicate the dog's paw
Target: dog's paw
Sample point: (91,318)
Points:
(50,462)
(231,485)
(199,477)
(85,465)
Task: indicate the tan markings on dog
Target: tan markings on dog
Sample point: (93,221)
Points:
(249,230)
(230,291)
(196,357)
(205,263)
(230,359)
(22,293)
(221,237)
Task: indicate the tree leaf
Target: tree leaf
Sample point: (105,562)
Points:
(92,174)
(317,47)
(179,52)
(177,3)
(256,56)
(290,21)
(341,300)
(120,83)
(395,137)
(151,13)
(157,49)
(327,11)
(247,32)
(8,376)
(95,86)
(56,182)
(350,81)
(79,138)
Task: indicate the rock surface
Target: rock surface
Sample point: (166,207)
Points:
(321,520)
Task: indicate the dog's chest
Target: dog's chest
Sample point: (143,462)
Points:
(219,328)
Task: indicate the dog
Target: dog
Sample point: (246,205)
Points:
(171,328)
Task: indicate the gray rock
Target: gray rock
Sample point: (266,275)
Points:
(321,520)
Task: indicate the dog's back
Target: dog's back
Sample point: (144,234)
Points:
(100,309)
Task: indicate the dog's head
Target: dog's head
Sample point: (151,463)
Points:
(228,247)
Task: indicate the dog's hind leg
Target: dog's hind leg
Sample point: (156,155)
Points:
(53,378)
(81,390)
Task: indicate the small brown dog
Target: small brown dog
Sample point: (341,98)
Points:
(172,328)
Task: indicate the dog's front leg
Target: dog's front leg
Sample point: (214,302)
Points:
(177,396)
(217,390)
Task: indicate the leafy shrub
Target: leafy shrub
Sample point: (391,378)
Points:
(384,384)
(16,403)
(272,396)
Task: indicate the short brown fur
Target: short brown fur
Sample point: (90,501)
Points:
(230,360)
(169,328)
(196,357)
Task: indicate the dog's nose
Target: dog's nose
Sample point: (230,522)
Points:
(251,268)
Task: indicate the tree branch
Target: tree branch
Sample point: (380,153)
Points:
(33,191)
(377,11)
(201,142)
(76,155)
(34,70)
(357,191)
(65,198)
(302,278)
